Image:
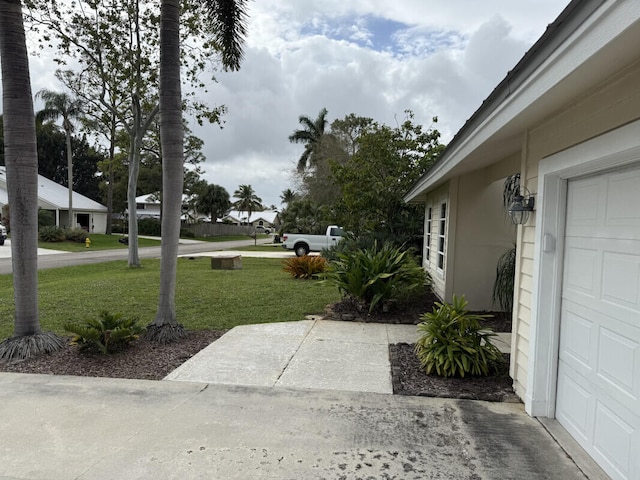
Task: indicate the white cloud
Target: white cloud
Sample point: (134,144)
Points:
(373,58)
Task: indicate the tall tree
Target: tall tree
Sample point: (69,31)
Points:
(388,161)
(310,135)
(247,200)
(56,105)
(227,19)
(213,201)
(21,159)
(287,196)
(115,43)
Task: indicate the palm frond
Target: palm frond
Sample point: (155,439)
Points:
(229,20)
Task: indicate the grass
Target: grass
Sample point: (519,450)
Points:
(205,299)
(110,242)
(98,242)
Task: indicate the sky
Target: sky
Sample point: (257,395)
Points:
(373,58)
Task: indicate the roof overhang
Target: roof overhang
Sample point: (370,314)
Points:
(587,43)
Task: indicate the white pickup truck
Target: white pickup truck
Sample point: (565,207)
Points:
(302,243)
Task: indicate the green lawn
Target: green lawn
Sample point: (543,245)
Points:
(110,242)
(98,242)
(205,298)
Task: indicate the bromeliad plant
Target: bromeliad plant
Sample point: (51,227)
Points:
(454,343)
(105,333)
(376,276)
(305,267)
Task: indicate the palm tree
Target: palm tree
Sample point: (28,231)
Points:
(287,196)
(57,105)
(214,201)
(21,160)
(227,18)
(248,201)
(310,135)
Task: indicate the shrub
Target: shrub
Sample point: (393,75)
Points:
(77,235)
(186,233)
(305,267)
(377,276)
(105,333)
(149,226)
(51,234)
(454,343)
(46,218)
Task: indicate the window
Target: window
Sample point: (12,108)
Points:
(442,228)
(427,235)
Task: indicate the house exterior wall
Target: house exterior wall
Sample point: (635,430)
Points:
(483,233)
(614,103)
(477,234)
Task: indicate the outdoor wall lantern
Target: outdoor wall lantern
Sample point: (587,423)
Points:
(521,207)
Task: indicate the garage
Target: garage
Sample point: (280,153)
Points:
(598,377)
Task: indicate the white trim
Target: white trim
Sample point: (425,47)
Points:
(616,149)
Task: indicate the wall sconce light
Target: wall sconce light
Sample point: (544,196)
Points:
(521,207)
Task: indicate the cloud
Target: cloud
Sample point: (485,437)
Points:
(374,58)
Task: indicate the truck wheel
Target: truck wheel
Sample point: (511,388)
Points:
(1,240)
(301,250)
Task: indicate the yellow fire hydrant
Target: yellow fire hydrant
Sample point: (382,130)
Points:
(87,242)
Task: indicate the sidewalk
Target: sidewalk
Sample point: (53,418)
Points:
(310,354)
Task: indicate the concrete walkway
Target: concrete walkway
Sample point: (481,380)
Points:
(310,354)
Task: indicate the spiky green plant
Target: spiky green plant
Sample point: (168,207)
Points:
(306,267)
(105,333)
(377,275)
(454,343)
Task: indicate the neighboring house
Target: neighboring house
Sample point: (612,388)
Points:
(567,118)
(88,214)
(148,206)
(266,218)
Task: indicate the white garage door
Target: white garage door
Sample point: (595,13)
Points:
(598,395)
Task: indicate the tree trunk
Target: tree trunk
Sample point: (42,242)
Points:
(72,222)
(21,159)
(134,170)
(165,327)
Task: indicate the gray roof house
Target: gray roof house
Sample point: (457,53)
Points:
(87,213)
(566,119)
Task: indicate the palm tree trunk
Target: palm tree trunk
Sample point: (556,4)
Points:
(21,158)
(165,327)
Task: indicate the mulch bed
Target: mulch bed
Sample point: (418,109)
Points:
(141,359)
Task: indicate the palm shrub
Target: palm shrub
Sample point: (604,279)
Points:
(305,267)
(106,333)
(454,343)
(376,276)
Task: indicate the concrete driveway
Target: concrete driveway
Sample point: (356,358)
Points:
(64,428)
